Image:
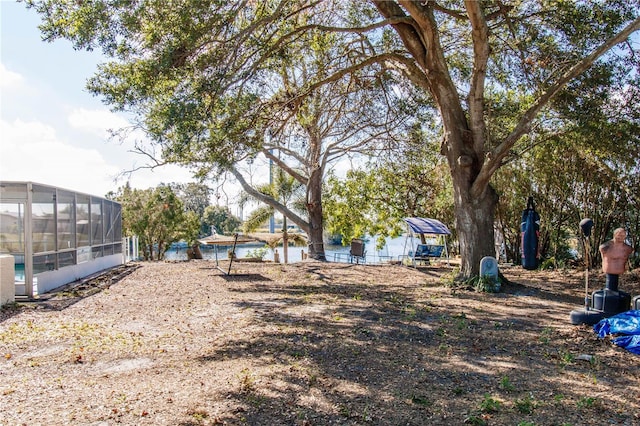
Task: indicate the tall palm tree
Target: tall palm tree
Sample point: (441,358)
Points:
(289,192)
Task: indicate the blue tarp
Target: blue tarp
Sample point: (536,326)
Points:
(627,324)
(422,225)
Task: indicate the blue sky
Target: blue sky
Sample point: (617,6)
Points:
(52,130)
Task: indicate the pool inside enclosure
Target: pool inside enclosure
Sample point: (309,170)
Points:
(56,235)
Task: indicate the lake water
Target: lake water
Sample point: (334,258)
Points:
(393,249)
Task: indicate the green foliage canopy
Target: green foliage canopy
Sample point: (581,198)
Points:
(157,217)
(198,72)
(221,218)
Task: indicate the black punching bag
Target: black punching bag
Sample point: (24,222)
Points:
(530,232)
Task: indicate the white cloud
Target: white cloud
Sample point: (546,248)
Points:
(146,178)
(10,80)
(97,122)
(51,130)
(31,151)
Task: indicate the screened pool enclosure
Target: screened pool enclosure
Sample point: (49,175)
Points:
(57,236)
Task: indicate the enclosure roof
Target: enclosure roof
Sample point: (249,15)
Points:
(422,225)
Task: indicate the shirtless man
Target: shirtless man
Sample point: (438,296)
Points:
(615,254)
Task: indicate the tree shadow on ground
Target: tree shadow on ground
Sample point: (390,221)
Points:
(350,352)
(244,277)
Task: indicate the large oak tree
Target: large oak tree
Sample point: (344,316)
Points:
(195,71)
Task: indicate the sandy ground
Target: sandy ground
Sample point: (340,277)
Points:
(312,344)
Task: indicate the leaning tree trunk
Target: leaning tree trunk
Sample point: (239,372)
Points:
(474,225)
(314,209)
(285,240)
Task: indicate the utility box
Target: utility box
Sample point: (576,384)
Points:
(7,279)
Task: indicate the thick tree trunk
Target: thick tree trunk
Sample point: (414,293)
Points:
(316,242)
(474,225)
(314,208)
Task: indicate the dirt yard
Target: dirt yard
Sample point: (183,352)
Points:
(313,344)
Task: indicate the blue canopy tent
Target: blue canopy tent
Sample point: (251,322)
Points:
(420,226)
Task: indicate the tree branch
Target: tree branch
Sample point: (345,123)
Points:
(495,157)
(480,36)
(406,30)
(377,59)
(284,166)
(304,225)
